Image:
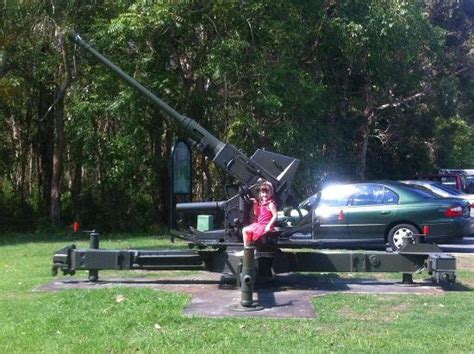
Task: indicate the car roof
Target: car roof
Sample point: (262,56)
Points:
(421,182)
(466,171)
(441,188)
(444,174)
(405,192)
(383,182)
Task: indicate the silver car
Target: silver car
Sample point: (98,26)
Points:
(444,191)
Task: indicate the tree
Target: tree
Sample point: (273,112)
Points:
(360,89)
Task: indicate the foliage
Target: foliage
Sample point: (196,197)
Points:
(457,131)
(359,89)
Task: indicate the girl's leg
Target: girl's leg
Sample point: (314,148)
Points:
(246,236)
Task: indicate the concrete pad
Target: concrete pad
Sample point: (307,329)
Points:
(285,296)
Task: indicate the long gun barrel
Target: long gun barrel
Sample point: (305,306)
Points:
(276,168)
(196,131)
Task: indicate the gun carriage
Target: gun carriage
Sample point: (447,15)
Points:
(214,250)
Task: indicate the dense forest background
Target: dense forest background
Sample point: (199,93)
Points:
(357,90)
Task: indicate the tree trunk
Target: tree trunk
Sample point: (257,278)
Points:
(44,147)
(59,141)
(157,166)
(76,181)
(362,144)
(57,164)
(199,190)
(165,176)
(363,139)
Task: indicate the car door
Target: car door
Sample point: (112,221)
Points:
(328,214)
(370,209)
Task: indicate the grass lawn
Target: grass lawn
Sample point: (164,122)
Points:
(151,321)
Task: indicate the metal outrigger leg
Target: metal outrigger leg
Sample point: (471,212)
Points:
(411,258)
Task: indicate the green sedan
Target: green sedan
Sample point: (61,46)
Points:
(380,213)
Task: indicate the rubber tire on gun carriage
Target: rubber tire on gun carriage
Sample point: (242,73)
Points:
(397,232)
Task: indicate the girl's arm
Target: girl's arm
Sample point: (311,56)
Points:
(255,210)
(273,210)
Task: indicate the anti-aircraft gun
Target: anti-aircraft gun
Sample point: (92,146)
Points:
(214,254)
(275,168)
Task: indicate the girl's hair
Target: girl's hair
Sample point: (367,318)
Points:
(268,186)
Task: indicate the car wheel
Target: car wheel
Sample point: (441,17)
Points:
(398,232)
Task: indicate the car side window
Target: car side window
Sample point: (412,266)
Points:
(372,194)
(389,197)
(336,196)
(367,194)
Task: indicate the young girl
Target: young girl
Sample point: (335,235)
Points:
(266,215)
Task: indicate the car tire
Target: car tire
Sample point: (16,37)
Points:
(396,234)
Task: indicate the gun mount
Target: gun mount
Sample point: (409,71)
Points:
(276,168)
(213,254)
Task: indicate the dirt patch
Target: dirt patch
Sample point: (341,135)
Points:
(465,262)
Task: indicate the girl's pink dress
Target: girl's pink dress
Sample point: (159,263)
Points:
(256,230)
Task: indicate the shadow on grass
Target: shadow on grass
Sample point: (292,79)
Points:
(339,282)
(266,287)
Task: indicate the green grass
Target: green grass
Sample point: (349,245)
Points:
(151,321)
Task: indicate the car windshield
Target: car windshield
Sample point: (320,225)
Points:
(308,202)
(449,190)
(448,180)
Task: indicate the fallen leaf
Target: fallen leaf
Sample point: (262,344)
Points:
(119,298)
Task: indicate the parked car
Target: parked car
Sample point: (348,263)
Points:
(444,191)
(380,213)
(469,173)
(455,180)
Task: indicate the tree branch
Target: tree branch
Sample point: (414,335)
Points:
(399,102)
(66,82)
